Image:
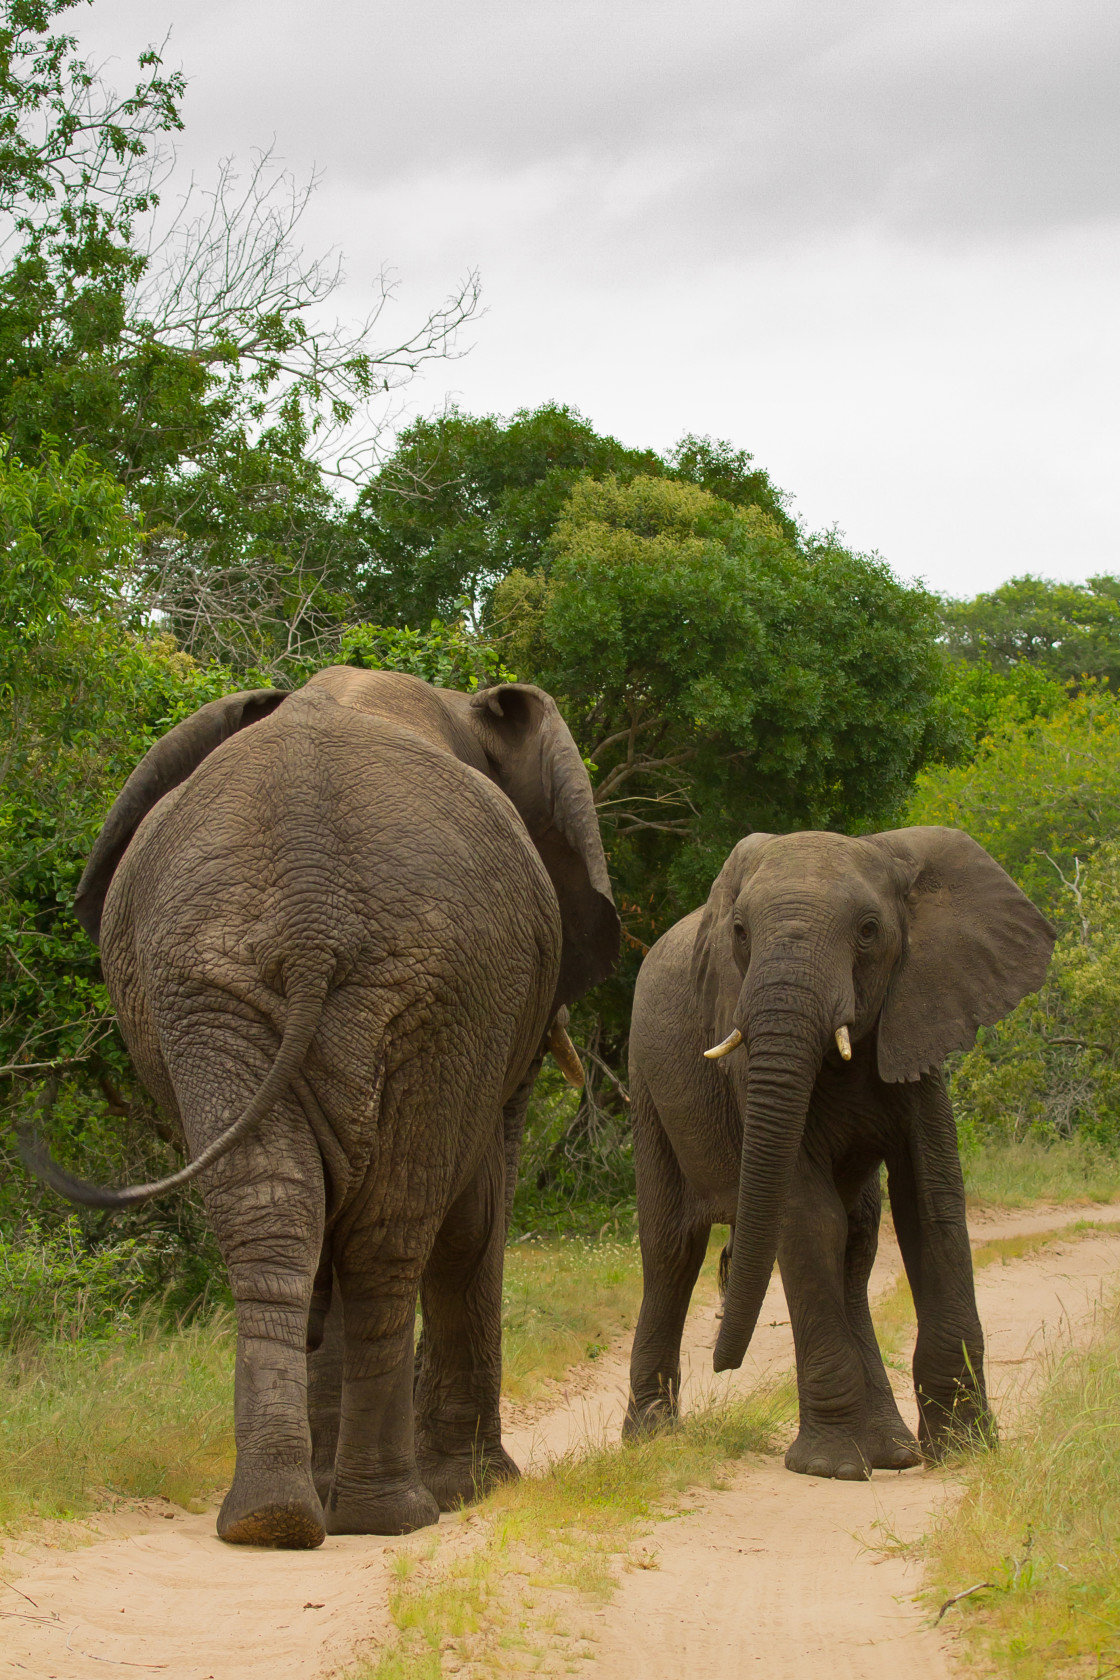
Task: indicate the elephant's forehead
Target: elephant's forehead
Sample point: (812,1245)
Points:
(822,859)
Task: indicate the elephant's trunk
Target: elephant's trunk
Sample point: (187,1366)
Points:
(785,1042)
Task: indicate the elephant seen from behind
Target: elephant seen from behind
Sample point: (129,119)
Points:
(336,926)
(788,1039)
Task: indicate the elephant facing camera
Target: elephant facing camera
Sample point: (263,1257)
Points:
(787,1042)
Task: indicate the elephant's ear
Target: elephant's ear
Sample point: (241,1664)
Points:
(536,763)
(163,767)
(716,980)
(976,947)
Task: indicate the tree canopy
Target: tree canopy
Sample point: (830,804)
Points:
(464,500)
(719,675)
(1063,630)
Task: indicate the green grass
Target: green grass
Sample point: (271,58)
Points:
(146,1410)
(1016,1174)
(547,1547)
(141,1412)
(1040,1521)
(564,1300)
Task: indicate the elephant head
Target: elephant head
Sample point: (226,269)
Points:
(512,733)
(900,944)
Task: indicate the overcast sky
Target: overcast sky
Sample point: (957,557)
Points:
(875,242)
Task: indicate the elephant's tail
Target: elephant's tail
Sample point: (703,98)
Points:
(304,1010)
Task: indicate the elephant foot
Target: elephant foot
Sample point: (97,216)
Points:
(828,1452)
(889,1445)
(395,1507)
(455,1479)
(965,1429)
(654,1419)
(267,1508)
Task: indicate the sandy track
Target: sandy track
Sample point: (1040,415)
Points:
(779,1576)
(764,1578)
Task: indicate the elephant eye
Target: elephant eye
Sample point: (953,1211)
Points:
(868,930)
(740,933)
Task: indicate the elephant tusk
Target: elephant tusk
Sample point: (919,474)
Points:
(844,1043)
(566,1056)
(731,1042)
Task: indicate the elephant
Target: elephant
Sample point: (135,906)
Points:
(336,925)
(787,1040)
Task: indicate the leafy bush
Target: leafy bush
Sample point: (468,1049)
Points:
(53,1285)
(1042,791)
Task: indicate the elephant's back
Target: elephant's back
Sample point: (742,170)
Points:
(323,825)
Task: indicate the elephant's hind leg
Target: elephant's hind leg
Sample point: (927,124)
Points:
(376,1488)
(674,1239)
(458,1422)
(266,1204)
(324,1378)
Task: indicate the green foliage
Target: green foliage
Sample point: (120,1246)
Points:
(977,700)
(445,655)
(1042,791)
(719,676)
(1066,630)
(64,534)
(53,1285)
(463,501)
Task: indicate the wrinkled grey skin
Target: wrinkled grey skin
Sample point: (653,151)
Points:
(912,940)
(366,900)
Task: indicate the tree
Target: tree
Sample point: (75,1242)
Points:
(465,500)
(718,675)
(1042,792)
(177,353)
(1064,630)
(1052,1068)
(173,430)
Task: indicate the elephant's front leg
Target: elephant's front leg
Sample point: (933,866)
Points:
(835,1425)
(674,1239)
(458,1422)
(888,1443)
(927,1201)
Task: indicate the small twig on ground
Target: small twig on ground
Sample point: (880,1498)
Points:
(956,1598)
(22,1594)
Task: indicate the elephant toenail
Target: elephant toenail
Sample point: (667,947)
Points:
(851,1472)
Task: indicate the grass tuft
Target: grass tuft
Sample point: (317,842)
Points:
(1040,1521)
(564,1300)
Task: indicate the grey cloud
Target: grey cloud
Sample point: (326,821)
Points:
(746,124)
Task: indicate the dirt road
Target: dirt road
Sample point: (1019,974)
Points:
(768,1577)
